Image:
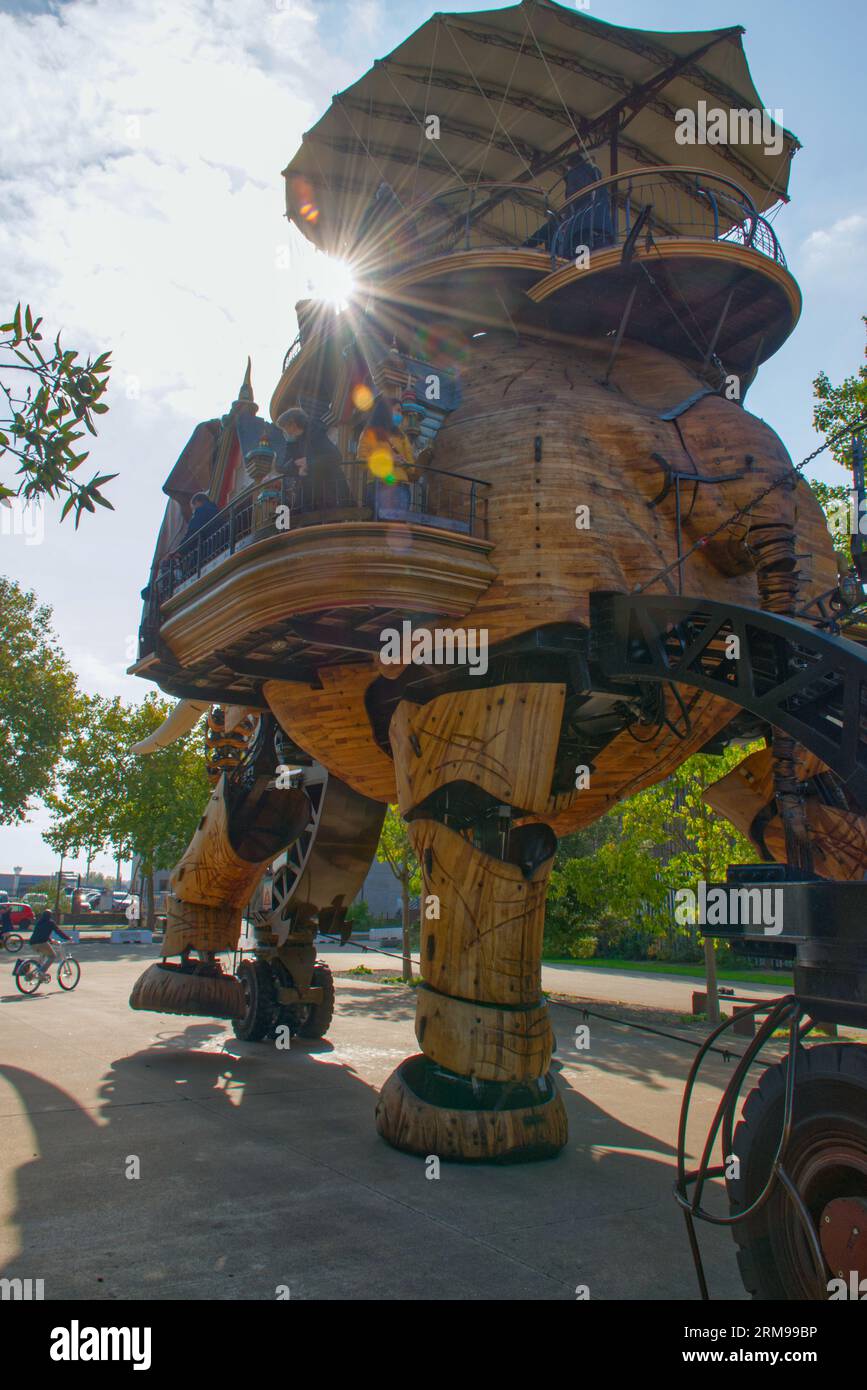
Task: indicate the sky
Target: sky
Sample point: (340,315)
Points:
(141,210)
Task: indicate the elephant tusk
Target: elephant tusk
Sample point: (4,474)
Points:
(185,714)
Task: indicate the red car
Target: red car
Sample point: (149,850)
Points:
(23,915)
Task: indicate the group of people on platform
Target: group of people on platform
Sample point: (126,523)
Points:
(312,463)
(383,445)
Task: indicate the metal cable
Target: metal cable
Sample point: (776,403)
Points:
(748,507)
(725,1053)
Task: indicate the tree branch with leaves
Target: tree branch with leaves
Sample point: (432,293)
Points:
(44,412)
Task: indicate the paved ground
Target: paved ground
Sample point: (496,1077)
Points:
(261,1168)
(588,981)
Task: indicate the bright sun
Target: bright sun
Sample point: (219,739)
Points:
(331,280)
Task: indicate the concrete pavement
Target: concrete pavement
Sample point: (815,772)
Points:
(261,1168)
(585,981)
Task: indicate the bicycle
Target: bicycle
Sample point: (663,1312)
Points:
(13,941)
(32,972)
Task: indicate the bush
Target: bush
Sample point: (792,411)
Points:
(679,948)
(621,939)
(358,914)
(584,947)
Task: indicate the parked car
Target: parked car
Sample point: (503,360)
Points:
(119,899)
(23,915)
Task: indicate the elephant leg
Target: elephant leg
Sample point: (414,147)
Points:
(472,767)
(241,832)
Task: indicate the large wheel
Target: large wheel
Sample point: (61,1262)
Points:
(68,973)
(318,1016)
(28,976)
(260,995)
(309,1020)
(826,1158)
(320,873)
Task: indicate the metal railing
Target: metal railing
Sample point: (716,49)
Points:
(292,351)
(448,501)
(673,202)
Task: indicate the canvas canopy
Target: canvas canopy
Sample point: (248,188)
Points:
(515,91)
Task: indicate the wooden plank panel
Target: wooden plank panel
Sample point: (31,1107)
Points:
(481,1040)
(332,725)
(487,942)
(501,738)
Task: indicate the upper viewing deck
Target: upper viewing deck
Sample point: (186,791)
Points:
(669,203)
(682,258)
(460,176)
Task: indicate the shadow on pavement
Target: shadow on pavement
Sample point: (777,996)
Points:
(258,1169)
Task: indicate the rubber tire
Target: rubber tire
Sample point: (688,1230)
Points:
(76,971)
(13,942)
(842,1066)
(260,986)
(19,985)
(319,1017)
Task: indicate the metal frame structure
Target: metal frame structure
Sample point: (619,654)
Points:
(805,681)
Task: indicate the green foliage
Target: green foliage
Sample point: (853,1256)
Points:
(37,700)
(584,947)
(108,796)
(835,408)
(834,501)
(359,914)
(42,422)
(395,849)
(664,838)
(839,406)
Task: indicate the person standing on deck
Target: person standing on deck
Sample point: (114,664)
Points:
(311,456)
(386,450)
(204,510)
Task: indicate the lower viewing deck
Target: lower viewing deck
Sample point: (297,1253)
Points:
(297,574)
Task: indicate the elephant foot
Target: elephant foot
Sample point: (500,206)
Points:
(195,989)
(426,1110)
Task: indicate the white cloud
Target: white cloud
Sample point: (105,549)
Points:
(143,195)
(837,250)
(142,211)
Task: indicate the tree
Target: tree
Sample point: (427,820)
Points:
(661,839)
(706,843)
(833,498)
(108,796)
(837,407)
(37,698)
(41,421)
(395,849)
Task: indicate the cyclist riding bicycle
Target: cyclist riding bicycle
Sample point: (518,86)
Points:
(41,938)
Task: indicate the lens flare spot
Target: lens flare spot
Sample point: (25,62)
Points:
(362,396)
(381,464)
